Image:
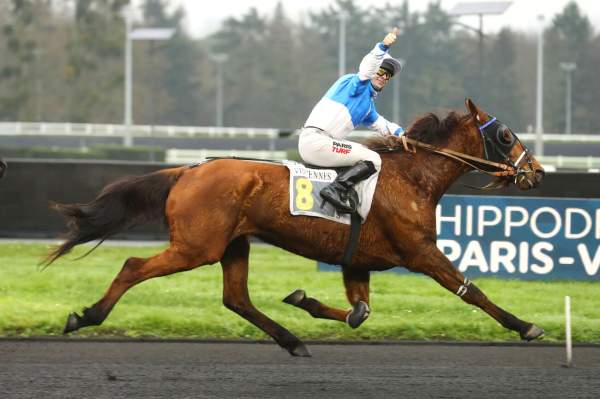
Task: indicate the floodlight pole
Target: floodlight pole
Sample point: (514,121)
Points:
(539,104)
(396,99)
(128,78)
(480,37)
(480,49)
(568,67)
(479,9)
(396,96)
(219,117)
(219,59)
(141,34)
(343,16)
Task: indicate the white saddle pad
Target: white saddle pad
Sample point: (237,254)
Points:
(306,183)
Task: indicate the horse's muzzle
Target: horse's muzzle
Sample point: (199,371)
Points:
(538,177)
(529,179)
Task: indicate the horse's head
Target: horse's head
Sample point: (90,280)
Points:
(499,144)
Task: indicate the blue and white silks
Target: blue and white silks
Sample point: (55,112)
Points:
(350,101)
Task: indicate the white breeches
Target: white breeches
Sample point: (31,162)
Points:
(318,149)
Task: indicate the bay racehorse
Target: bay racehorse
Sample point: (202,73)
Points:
(211,210)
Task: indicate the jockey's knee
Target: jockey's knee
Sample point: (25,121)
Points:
(375,160)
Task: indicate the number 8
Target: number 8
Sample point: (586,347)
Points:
(304,198)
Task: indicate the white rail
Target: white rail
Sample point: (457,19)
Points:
(526,137)
(92,129)
(561,138)
(88,129)
(563,162)
(176,156)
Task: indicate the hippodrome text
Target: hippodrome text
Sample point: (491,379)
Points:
(521,237)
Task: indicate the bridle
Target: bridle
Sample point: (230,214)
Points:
(498,141)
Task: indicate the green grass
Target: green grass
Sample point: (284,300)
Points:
(35,302)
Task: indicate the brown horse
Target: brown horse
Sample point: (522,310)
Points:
(213,208)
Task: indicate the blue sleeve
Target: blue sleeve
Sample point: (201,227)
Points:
(399,132)
(371,117)
(383,47)
(347,86)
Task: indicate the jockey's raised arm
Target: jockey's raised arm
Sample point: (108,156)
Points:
(371,62)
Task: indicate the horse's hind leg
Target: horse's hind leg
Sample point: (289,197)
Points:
(236,298)
(134,271)
(357,292)
(436,265)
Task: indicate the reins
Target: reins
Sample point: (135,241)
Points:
(504,169)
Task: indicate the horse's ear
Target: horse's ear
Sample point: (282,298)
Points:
(477,114)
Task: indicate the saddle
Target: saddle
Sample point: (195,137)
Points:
(306,181)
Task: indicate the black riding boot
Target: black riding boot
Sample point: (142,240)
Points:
(339,192)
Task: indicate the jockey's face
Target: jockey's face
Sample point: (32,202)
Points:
(380,79)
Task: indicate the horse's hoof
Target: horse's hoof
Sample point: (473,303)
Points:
(358,315)
(295,297)
(532,333)
(73,323)
(300,350)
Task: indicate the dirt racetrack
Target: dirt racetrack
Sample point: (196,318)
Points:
(54,368)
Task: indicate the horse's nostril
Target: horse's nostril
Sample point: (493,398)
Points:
(539,175)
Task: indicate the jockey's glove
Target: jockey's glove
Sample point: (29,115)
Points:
(390,38)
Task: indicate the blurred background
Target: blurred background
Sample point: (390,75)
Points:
(114,79)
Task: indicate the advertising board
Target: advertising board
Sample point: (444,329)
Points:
(528,238)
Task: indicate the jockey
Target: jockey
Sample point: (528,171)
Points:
(347,104)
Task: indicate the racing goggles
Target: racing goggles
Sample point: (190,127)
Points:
(384,72)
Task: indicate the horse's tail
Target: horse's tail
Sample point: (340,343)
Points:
(121,205)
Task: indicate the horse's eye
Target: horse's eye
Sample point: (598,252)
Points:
(505,136)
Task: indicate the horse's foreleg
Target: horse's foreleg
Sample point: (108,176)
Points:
(237,298)
(357,292)
(134,271)
(437,266)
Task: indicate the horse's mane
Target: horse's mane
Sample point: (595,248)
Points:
(428,128)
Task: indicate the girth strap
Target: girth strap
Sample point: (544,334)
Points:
(355,224)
